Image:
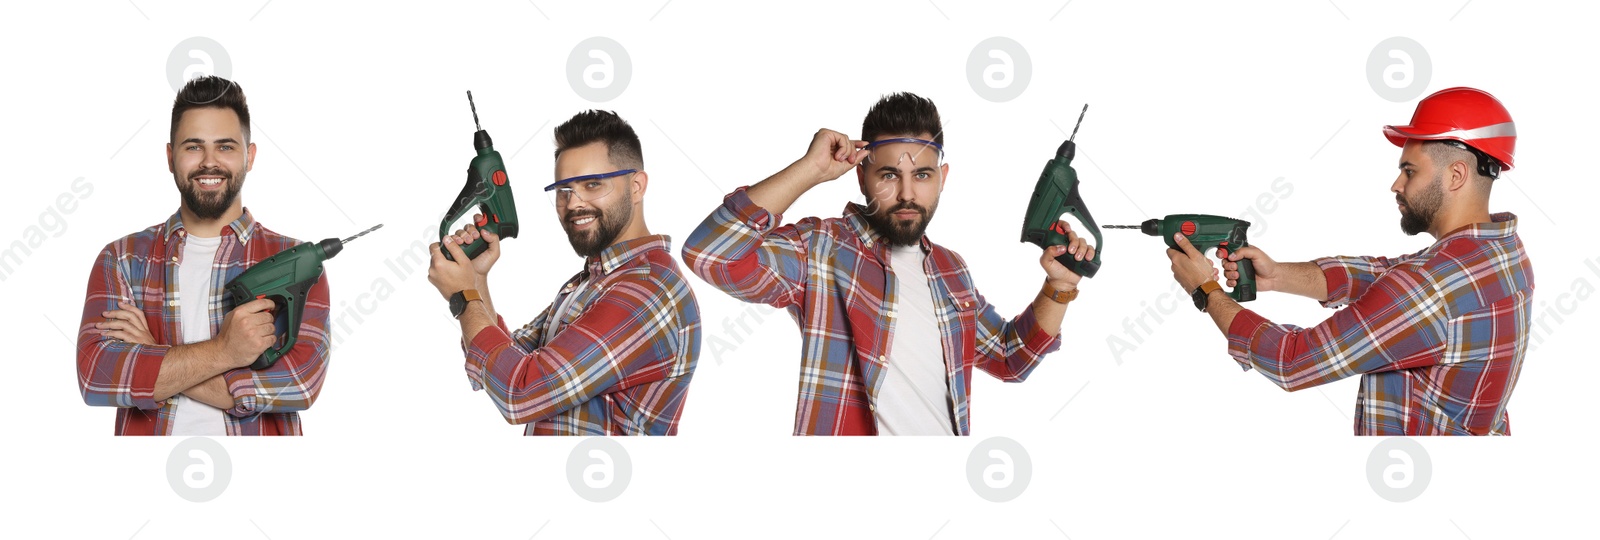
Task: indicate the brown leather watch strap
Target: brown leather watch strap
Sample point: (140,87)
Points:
(1059,297)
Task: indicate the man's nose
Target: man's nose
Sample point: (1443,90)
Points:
(208,159)
(904,185)
(574,202)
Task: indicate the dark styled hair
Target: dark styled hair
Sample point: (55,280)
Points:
(622,144)
(902,113)
(1444,153)
(211,91)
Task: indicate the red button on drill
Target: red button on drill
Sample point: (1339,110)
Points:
(499,178)
(481,221)
(1187,228)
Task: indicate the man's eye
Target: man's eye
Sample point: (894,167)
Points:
(890,177)
(225,148)
(924,176)
(591,185)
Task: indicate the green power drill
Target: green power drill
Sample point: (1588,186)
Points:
(1056,193)
(1207,233)
(488,189)
(286,278)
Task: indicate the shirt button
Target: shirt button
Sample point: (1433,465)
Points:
(883,359)
(174,259)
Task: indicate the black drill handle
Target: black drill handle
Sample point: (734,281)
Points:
(288,308)
(476,247)
(1087,267)
(1244,288)
(474,190)
(1084,268)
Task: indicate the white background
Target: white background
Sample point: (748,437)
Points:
(1196,107)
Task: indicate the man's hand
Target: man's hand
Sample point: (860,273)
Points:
(831,154)
(126,323)
(1046,310)
(485,261)
(246,332)
(1189,266)
(1266,268)
(448,276)
(1056,274)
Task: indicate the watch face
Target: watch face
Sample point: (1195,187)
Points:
(1200,297)
(458,304)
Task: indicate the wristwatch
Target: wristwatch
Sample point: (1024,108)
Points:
(1059,296)
(1202,294)
(458,301)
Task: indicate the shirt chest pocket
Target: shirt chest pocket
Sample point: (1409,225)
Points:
(962,308)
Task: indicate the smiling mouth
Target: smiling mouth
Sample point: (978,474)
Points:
(582,221)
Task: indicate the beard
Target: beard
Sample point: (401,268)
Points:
(609,223)
(1417,216)
(210,205)
(901,232)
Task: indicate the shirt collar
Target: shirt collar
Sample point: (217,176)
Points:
(612,258)
(243,227)
(1501,225)
(855,217)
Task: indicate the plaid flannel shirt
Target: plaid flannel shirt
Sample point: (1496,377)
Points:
(142,269)
(833,277)
(618,362)
(1437,336)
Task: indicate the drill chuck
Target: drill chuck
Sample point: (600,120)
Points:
(1151,227)
(1068,149)
(330,247)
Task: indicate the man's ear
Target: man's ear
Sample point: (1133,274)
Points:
(249,157)
(944,176)
(641,181)
(172,167)
(1459,175)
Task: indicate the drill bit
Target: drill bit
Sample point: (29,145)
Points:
(1119,226)
(361,234)
(1075,127)
(474,111)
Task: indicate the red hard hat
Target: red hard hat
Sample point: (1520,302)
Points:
(1463,114)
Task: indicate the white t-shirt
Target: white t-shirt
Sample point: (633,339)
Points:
(914,395)
(190,417)
(554,323)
